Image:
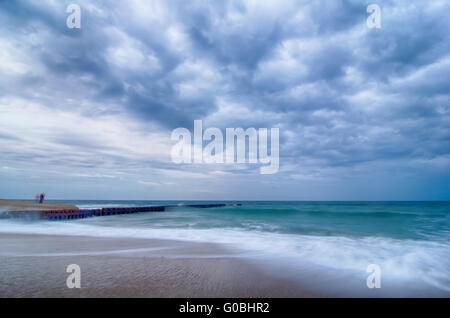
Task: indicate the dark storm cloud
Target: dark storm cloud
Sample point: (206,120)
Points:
(341,93)
(403,47)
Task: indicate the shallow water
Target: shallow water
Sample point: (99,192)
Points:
(335,241)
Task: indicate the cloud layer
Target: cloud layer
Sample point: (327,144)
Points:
(363,113)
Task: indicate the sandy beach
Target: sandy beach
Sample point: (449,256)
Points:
(35,266)
(16,205)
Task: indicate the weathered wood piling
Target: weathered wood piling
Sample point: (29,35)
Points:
(87,213)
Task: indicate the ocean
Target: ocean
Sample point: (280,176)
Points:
(328,246)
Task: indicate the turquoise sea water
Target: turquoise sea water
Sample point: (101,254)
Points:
(410,241)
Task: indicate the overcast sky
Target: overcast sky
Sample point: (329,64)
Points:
(364,114)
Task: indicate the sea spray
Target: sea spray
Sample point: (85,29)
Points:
(408,240)
(5,212)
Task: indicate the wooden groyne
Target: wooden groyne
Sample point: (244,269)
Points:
(87,213)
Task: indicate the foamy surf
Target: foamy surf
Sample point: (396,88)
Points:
(402,261)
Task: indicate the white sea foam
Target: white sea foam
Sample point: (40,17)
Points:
(401,260)
(4,212)
(99,206)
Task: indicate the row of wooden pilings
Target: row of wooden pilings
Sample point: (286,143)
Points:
(87,213)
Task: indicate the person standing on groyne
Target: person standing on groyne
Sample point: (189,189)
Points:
(41,198)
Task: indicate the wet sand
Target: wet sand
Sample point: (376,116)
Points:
(35,266)
(15,205)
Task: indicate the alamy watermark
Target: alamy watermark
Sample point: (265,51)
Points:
(73,21)
(374,279)
(374,19)
(74,279)
(187,150)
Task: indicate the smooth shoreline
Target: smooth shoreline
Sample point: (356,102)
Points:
(35,266)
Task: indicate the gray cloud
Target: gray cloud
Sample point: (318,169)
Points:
(344,96)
